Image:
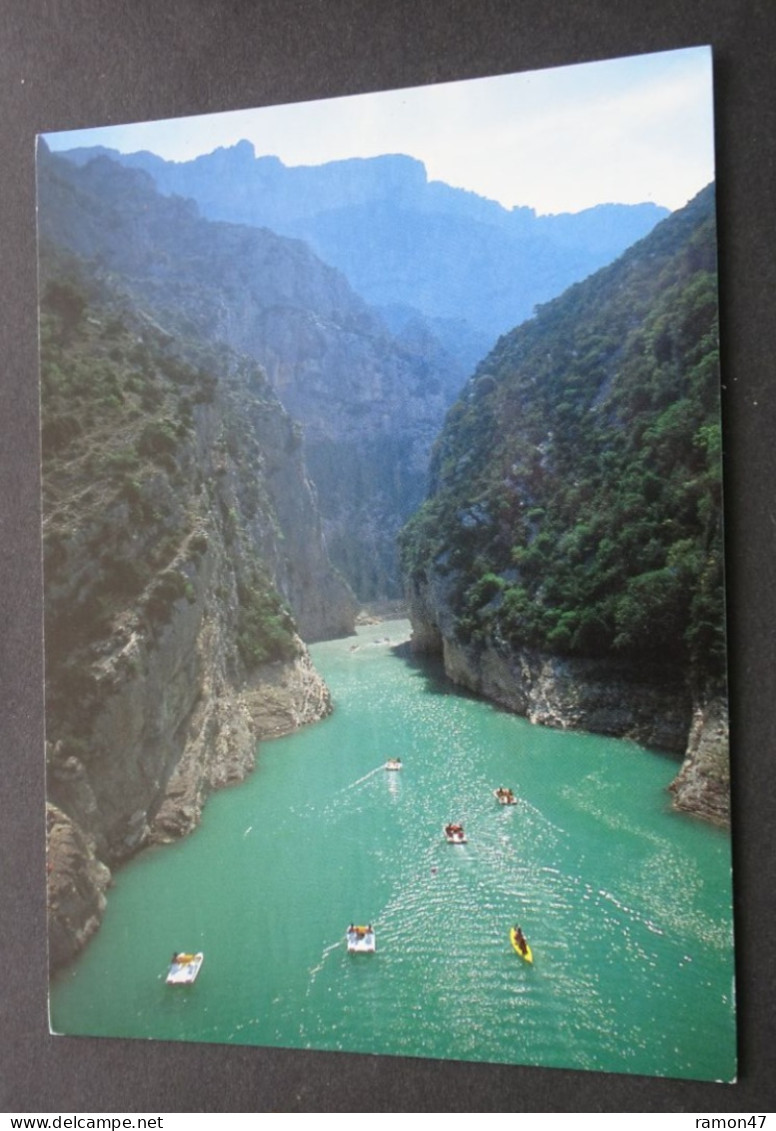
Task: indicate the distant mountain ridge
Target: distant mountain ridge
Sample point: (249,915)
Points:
(401,239)
(370,402)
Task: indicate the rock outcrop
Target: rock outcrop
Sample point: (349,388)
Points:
(223,733)
(702,786)
(401,239)
(76,885)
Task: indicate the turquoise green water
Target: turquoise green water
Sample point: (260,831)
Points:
(626,905)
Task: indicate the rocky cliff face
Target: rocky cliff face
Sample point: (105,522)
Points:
(180,529)
(165,744)
(649,704)
(76,885)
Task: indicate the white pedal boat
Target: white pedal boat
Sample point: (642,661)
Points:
(361,940)
(184,968)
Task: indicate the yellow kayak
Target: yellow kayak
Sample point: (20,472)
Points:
(527,954)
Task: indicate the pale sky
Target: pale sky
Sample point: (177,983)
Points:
(624,130)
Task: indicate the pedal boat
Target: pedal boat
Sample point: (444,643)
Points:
(504,796)
(361,940)
(454,834)
(184,968)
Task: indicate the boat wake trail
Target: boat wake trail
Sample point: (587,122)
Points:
(371,773)
(339,802)
(315,971)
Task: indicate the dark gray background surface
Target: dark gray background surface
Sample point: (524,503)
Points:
(76,63)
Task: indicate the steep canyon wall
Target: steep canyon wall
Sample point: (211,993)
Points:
(184,555)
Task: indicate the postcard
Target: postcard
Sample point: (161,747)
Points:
(384,584)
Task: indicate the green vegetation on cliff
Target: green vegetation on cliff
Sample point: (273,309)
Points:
(145,473)
(576,494)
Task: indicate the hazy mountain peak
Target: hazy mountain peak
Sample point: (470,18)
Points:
(402,239)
